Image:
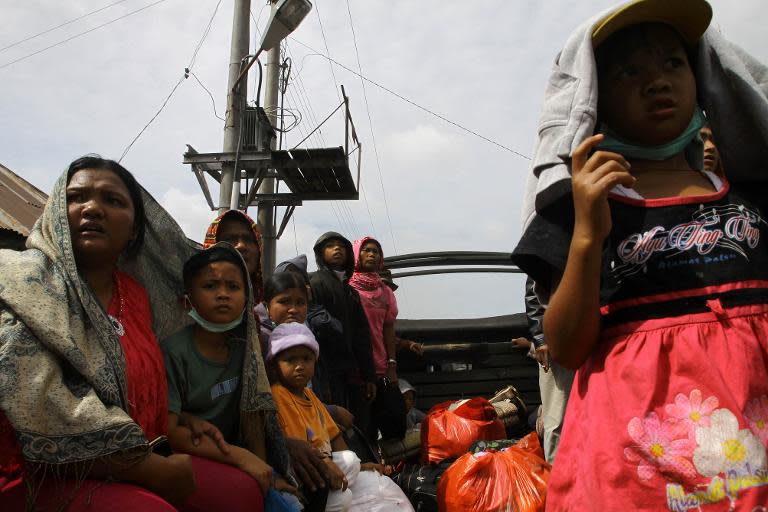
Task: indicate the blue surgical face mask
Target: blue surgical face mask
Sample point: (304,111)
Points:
(213,326)
(688,141)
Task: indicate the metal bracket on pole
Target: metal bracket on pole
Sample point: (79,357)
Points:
(253,190)
(286,217)
(203,186)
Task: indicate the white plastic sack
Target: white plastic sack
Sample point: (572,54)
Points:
(374,492)
(370,491)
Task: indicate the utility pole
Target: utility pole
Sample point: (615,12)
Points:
(266,212)
(312,174)
(238,50)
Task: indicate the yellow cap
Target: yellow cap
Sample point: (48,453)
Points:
(689,17)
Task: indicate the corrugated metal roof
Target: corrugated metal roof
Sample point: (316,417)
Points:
(21,203)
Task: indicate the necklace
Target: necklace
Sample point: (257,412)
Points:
(115,321)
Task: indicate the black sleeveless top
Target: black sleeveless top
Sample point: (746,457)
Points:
(665,257)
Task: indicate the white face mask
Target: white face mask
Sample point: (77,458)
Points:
(213,326)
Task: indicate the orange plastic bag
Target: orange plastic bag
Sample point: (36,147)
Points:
(449,433)
(513,479)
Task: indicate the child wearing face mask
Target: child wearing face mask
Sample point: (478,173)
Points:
(204,365)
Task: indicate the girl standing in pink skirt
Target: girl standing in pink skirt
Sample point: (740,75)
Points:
(655,272)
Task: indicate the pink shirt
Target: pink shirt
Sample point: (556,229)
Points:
(380,308)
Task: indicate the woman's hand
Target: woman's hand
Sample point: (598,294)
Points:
(337,479)
(172,478)
(282,485)
(542,357)
(370,392)
(202,428)
(592,178)
(380,468)
(392,374)
(313,473)
(416,348)
(257,468)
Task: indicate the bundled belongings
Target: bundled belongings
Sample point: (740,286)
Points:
(451,427)
(358,443)
(513,478)
(394,451)
(492,446)
(511,410)
(419,483)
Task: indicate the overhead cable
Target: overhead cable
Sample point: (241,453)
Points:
(411,102)
(213,101)
(183,77)
(97,27)
(60,25)
(328,52)
(373,135)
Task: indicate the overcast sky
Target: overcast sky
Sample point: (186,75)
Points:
(482,65)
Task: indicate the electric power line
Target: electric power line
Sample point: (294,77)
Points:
(298,75)
(373,228)
(330,203)
(167,99)
(411,102)
(60,25)
(204,36)
(97,27)
(300,99)
(183,77)
(213,101)
(328,52)
(303,94)
(373,135)
(338,95)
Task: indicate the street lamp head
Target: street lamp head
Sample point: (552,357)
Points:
(286,16)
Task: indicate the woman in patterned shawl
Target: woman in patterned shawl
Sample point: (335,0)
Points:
(82,385)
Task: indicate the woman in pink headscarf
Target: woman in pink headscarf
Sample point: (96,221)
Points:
(380,308)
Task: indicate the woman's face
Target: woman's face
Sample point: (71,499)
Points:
(370,257)
(238,233)
(648,95)
(289,306)
(101,216)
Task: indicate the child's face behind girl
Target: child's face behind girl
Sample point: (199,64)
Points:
(289,306)
(647,90)
(295,368)
(218,292)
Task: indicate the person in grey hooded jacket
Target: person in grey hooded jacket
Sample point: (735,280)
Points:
(351,374)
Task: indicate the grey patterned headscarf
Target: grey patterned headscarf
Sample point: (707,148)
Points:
(62,369)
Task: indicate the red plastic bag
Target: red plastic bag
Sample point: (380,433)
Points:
(514,479)
(449,433)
